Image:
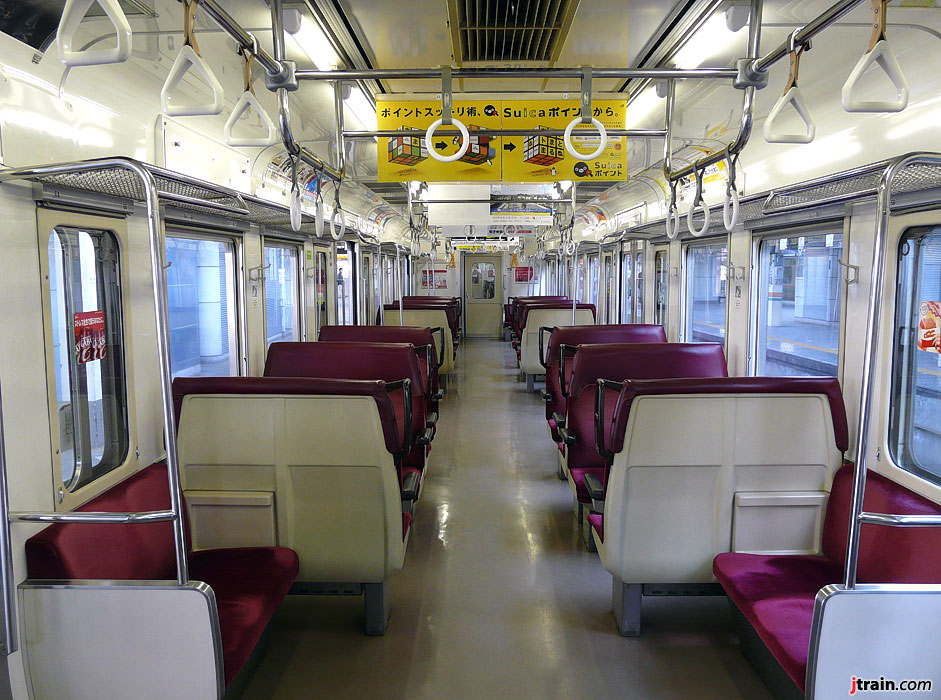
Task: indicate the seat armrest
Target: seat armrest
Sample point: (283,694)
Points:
(596,491)
(546,396)
(568,438)
(432,420)
(411,486)
(558,418)
(425,436)
(437,396)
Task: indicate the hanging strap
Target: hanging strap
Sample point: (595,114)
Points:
(189,21)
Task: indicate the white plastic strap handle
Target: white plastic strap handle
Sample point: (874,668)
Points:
(248,102)
(730,218)
(337,228)
(296,209)
(791,96)
(570,247)
(319,219)
(72,15)
(697,200)
(673,222)
(880,53)
(429,138)
(567,140)
(773,134)
(189,58)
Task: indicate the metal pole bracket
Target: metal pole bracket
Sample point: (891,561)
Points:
(749,76)
(285,80)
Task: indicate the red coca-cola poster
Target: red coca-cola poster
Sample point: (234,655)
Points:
(90,343)
(929,326)
(526,274)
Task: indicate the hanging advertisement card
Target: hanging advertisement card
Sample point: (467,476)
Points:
(90,342)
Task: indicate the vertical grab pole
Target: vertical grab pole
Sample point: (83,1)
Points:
(574,281)
(10,642)
(382,287)
(602,284)
(158,266)
(398,275)
(871,349)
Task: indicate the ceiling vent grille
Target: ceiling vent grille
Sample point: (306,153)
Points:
(514,31)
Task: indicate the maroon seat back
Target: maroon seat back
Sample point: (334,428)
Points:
(618,362)
(421,338)
(525,308)
(449,308)
(104,551)
(886,554)
(584,335)
(519,303)
(392,425)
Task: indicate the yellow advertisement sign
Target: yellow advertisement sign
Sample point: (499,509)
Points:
(544,158)
(406,158)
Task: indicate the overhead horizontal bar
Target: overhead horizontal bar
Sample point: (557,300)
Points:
(808,31)
(612,133)
(508,200)
(153,516)
(244,38)
(517,73)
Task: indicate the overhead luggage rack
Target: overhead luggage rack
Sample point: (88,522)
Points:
(112,177)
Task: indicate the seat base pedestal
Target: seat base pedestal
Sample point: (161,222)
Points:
(376,606)
(625,605)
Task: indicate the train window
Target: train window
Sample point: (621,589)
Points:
(483,280)
(915,424)
(627,287)
(661,286)
(87,328)
(203,307)
(609,289)
(799,300)
(593,271)
(320,274)
(639,279)
(281,293)
(346,296)
(706,275)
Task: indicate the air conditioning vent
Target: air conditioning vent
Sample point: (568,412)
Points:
(510,31)
(34,22)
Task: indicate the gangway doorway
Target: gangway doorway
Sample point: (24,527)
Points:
(483,295)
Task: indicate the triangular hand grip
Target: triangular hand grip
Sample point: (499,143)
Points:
(184,61)
(248,102)
(72,15)
(774,135)
(881,54)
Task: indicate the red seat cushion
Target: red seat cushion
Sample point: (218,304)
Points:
(596,520)
(249,584)
(776,594)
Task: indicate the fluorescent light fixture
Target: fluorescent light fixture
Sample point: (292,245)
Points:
(710,39)
(314,43)
(362,109)
(640,107)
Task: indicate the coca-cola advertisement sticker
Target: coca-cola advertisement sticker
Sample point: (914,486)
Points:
(929,326)
(90,343)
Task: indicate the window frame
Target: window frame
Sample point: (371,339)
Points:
(238,277)
(688,246)
(756,280)
(352,251)
(300,311)
(47,221)
(657,251)
(893,402)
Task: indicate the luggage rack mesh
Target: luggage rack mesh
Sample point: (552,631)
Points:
(918,176)
(179,190)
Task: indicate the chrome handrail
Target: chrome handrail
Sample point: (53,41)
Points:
(10,641)
(161,313)
(880,246)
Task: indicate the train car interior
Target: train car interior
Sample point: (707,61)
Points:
(470,349)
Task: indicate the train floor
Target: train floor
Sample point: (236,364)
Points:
(498,597)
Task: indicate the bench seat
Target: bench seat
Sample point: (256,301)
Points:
(248,583)
(776,594)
